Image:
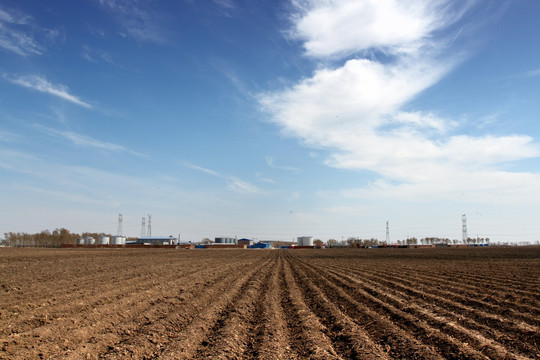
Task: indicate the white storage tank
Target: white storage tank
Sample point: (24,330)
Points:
(224,240)
(117,240)
(80,241)
(103,240)
(89,240)
(305,241)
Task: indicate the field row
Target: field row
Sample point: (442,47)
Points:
(270,304)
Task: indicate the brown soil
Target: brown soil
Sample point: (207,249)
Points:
(481,303)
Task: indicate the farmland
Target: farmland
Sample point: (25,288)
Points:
(475,303)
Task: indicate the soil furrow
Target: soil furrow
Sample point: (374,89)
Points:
(349,339)
(270,304)
(491,347)
(497,308)
(238,328)
(306,330)
(424,340)
(84,327)
(271,339)
(410,291)
(188,339)
(484,283)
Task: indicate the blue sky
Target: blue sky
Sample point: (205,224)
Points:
(271,119)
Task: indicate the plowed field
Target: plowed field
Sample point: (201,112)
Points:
(479,303)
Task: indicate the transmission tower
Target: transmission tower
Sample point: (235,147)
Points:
(119,232)
(464,228)
(387,233)
(149,233)
(143,227)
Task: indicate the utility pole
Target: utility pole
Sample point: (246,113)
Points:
(149,233)
(387,233)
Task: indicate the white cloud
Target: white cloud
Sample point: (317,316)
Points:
(356,110)
(241,186)
(8,136)
(344,26)
(96,55)
(488,187)
(199,168)
(140,24)
(358,96)
(233,183)
(533,73)
(41,84)
(16,35)
(271,162)
(85,141)
(261,177)
(82,184)
(10,159)
(227,4)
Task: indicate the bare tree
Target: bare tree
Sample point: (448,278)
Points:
(331,242)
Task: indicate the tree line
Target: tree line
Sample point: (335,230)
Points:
(46,238)
(356,242)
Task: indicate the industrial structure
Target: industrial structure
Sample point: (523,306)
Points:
(143,227)
(304,241)
(119,231)
(104,240)
(224,240)
(464,234)
(155,240)
(244,241)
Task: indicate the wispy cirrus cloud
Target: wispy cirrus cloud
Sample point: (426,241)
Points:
(17,34)
(354,108)
(233,183)
(533,73)
(241,186)
(199,168)
(8,136)
(85,141)
(96,55)
(38,83)
(271,163)
(226,6)
(139,22)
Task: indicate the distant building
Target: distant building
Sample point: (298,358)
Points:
(157,240)
(260,245)
(245,241)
